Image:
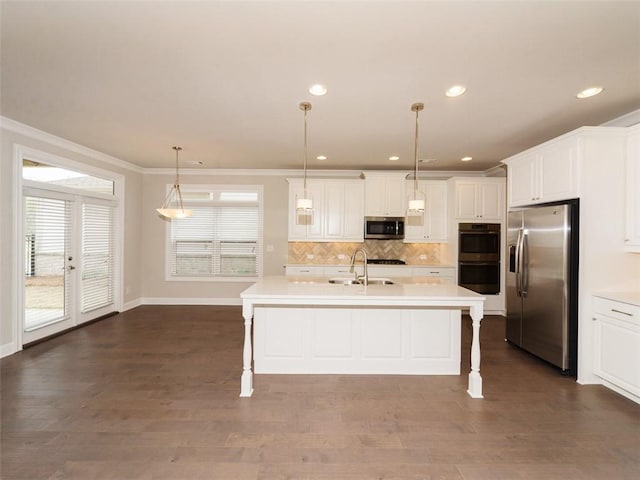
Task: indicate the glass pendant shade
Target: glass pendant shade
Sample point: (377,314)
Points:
(172,207)
(304,205)
(416,207)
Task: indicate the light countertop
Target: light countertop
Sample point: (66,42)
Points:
(632,298)
(410,289)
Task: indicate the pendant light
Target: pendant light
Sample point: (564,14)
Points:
(172,207)
(304,202)
(416,204)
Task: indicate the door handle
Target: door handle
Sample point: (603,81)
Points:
(71,267)
(518,255)
(525,264)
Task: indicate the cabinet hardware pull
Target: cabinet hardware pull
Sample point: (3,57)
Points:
(620,311)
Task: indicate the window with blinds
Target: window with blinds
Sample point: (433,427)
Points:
(97,256)
(222,238)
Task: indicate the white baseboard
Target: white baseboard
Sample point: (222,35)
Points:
(7,349)
(190,301)
(132,304)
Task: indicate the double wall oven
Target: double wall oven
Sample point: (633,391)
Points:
(479,257)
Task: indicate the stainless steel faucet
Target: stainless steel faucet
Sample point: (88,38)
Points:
(364,278)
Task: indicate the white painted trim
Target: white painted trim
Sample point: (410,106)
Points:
(136,302)
(31,132)
(190,301)
(444,174)
(626,120)
(7,349)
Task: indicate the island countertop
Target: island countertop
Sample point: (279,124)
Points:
(403,290)
(414,292)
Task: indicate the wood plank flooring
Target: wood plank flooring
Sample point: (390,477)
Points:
(153,394)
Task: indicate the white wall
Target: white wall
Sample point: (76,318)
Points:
(13,133)
(604,264)
(157,290)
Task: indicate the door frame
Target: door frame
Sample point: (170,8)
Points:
(21,152)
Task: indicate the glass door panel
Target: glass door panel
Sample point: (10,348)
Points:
(48,265)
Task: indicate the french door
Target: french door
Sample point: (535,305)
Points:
(68,261)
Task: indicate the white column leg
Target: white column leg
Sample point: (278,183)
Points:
(475,380)
(246,382)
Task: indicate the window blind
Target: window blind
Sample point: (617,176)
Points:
(220,239)
(97,256)
(47,238)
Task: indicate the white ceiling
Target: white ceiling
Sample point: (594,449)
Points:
(224,79)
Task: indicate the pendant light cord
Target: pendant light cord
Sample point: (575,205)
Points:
(305,106)
(416,107)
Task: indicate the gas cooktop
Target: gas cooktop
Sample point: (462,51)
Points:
(386,261)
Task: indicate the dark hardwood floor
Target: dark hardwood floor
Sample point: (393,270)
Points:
(153,394)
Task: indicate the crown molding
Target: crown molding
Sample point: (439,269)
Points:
(14,126)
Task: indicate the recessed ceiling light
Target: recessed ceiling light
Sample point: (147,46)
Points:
(394,158)
(427,160)
(317,89)
(589,92)
(321,157)
(455,91)
(466,159)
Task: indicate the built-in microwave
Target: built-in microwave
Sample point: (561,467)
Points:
(384,228)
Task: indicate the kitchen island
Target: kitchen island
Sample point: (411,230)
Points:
(308,325)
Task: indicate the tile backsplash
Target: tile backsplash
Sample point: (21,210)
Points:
(327,253)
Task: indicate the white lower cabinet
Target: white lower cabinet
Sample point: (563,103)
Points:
(357,340)
(617,345)
(442,272)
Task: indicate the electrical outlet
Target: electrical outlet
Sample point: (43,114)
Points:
(341,256)
(310,256)
(423,257)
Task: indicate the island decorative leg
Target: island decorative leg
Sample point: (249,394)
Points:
(475,380)
(246,382)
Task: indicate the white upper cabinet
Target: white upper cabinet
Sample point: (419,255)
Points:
(431,226)
(338,211)
(479,198)
(384,195)
(632,238)
(545,174)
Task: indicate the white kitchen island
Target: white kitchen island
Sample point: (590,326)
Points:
(309,326)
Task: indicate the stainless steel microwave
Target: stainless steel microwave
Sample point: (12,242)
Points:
(384,228)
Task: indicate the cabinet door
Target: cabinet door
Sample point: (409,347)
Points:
(617,352)
(315,230)
(465,200)
(522,182)
(297,232)
(395,205)
(353,214)
(558,174)
(436,211)
(375,195)
(490,201)
(333,210)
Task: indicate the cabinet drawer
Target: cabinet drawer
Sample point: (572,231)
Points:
(618,310)
(304,270)
(433,272)
(332,270)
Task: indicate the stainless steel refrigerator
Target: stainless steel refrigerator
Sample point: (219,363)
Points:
(542,282)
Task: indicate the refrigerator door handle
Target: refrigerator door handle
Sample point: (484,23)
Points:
(524,255)
(518,256)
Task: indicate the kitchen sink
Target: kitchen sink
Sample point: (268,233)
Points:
(353,281)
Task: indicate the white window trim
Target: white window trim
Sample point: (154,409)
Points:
(207,188)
